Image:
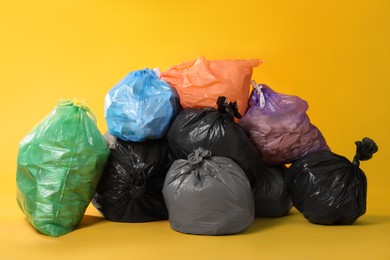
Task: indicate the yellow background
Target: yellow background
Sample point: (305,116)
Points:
(335,54)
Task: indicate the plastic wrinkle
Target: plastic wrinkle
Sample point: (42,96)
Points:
(198,155)
(271,195)
(211,197)
(140,107)
(130,189)
(216,131)
(327,188)
(364,150)
(59,164)
(200,82)
(280,129)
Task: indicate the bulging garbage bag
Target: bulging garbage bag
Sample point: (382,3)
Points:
(130,189)
(208,195)
(200,82)
(271,195)
(327,188)
(140,107)
(59,165)
(214,130)
(279,126)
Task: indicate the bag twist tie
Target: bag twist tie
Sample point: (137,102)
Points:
(198,155)
(364,150)
(231,109)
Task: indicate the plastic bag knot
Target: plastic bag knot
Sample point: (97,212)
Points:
(364,150)
(258,95)
(198,155)
(79,103)
(231,109)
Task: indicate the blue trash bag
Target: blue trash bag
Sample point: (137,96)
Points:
(140,107)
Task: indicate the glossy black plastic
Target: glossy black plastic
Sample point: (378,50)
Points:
(329,189)
(270,193)
(130,189)
(214,130)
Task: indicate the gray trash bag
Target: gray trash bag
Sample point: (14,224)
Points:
(208,195)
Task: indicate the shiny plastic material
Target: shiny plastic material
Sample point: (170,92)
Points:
(214,130)
(59,164)
(327,188)
(208,195)
(130,189)
(140,107)
(200,82)
(270,193)
(279,126)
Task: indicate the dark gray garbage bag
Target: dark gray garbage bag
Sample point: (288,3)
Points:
(208,195)
(271,193)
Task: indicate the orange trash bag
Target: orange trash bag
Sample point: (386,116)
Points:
(199,83)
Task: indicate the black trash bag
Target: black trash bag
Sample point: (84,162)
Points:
(327,188)
(271,195)
(214,130)
(208,195)
(130,189)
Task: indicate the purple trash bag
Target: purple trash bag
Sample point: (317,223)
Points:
(279,126)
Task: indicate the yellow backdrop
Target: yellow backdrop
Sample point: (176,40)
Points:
(335,54)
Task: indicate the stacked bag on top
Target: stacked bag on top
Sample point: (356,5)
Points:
(177,148)
(200,82)
(279,126)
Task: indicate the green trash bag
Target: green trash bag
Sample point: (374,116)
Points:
(59,165)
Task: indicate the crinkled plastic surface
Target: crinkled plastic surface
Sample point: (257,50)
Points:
(279,126)
(130,189)
(214,130)
(208,195)
(59,165)
(271,195)
(327,188)
(200,82)
(140,107)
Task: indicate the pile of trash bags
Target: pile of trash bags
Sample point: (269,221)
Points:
(194,145)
